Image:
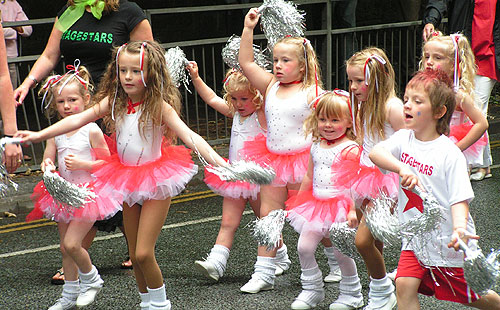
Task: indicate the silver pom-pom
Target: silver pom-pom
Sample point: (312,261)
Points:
(281,18)
(432,217)
(5,179)
(267,230)
(176,65)
(383,224)
(246,171)
(231,50)
(480,273)
(69,195)
(342,237)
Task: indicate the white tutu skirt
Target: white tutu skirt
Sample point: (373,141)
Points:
(102,208)
(306,212)
(289,168)
(157,180)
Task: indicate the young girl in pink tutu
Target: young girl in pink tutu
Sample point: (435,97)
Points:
(243,103)
(379,113)
(141,105)
(319,203)
(288,92)
(77,153)
(454,56)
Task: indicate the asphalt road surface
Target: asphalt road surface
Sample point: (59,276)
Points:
(29,256)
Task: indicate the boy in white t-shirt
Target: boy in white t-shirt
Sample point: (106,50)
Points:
(423,156)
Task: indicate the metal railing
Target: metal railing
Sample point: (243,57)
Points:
(333,47)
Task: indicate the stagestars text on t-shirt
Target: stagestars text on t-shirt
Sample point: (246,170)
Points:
(91,40)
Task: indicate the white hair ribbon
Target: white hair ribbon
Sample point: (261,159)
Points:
(366,68)
(141,62)
(456,62)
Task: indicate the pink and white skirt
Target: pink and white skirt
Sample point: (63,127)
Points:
(289,168)
(102,208)
(306,212)
(362,181)
(157,180)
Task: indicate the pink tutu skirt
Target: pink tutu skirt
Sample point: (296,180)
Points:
(307,212)
(101,209)
(362,181)
(289,168)
(458,132)
(235,190)
(157,180)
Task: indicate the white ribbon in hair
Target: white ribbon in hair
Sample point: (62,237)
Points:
(456,62)
(367,68)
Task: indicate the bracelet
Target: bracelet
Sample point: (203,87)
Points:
(31,77)
(9,136)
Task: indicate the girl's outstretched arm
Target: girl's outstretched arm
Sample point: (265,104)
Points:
(67,124)
(257,76)
(476,116)
(189,137)
(205,92)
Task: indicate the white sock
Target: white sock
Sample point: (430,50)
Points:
(158,298)
(312,286)
(350,291)
(145,299)
(380,290)
(71,290)
(218,257)
(91,279)
(264,268)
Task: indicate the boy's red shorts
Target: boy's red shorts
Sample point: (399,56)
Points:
(446,283)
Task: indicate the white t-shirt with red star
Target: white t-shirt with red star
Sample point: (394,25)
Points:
(442,170)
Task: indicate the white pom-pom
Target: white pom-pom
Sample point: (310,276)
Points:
(280,19)
(383,224)
(69,195)
(231,50)
(176,65)
(342,237)
(267,230)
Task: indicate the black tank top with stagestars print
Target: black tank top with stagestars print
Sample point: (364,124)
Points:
(91,40)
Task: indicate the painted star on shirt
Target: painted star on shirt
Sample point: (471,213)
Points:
(414,201)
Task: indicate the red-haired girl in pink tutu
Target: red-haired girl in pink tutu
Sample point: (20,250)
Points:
(243,103)
(76,152)
(140,103)
(320,203)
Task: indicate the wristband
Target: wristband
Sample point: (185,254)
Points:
(31,77)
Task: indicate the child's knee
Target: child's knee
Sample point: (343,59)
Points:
(363,242)
(405,290)
(142,256)
(229,226)
(69,247)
